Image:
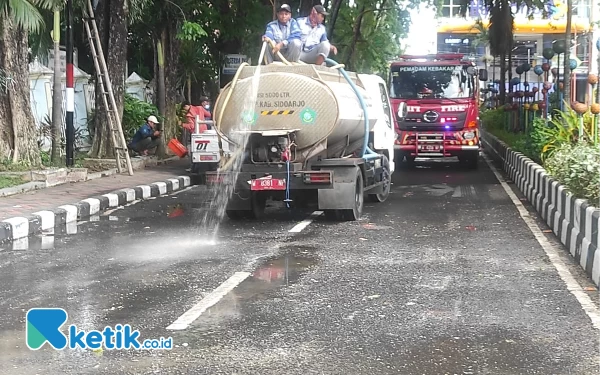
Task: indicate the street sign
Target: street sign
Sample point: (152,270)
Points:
(233,62)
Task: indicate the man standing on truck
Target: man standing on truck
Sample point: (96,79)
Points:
(315,45)
(285,32)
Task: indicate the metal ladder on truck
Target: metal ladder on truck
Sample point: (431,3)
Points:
(112,113)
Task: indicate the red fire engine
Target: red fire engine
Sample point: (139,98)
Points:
(441,93)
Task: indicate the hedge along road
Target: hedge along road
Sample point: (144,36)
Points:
(444,277)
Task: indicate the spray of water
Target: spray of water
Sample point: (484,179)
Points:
(219,194)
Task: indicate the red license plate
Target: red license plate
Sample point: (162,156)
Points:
(431,147)
(214,178)
(268,184)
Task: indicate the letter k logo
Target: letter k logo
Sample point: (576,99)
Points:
(44,325)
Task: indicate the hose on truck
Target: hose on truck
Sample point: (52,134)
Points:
(240,150)
(367,153)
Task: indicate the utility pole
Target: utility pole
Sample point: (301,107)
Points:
(70,86)
(56,92)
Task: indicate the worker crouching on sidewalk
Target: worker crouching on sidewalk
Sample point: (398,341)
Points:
(147,137)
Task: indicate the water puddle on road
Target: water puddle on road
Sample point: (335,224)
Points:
(268,280)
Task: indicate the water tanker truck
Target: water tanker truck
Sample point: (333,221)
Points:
(305,134)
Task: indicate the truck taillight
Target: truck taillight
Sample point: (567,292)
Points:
(208,157)
(317,177)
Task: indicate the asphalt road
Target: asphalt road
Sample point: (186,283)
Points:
(443,278)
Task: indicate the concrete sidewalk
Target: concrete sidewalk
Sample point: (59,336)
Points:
(20,214)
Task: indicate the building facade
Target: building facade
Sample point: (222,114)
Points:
(531,36)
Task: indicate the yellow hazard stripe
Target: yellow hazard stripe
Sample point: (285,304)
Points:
(274,113)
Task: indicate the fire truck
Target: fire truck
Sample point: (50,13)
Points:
(441,93)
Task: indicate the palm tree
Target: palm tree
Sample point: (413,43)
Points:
(18,18)
(482,39)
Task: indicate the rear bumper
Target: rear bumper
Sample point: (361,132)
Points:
(297,180)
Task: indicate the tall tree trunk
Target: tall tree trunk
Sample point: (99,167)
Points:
(567,64)
(167,90)
(335,11)
(18,129)
(111,17)
(56,93)
(509,70)
(598,85)
(502,92)
(355,37)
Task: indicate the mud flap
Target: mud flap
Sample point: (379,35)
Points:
(343,194)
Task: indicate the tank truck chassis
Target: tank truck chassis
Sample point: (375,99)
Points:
(274,166)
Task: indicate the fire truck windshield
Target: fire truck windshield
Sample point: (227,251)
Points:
(431,82)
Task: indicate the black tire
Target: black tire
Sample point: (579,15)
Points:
(236,214)
(259,204)
(359,200)
(332,215)
(387,178)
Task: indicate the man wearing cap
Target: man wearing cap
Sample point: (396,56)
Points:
(146,138)
(285,32)
(315,45)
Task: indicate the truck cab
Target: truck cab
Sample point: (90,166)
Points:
(441,93)
(384,134)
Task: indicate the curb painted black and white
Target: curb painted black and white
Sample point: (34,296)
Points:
(21,227)
(575,222)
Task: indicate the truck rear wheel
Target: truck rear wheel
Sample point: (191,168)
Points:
(259,203)
(387,183)
(359,200)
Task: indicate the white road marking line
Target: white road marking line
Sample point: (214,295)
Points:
(211,299)
(552,252)
(181,191)
(304,223)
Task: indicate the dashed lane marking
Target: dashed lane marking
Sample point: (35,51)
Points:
(210,300)
(552,251)
(304,223)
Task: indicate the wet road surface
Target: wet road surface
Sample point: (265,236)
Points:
(443,278)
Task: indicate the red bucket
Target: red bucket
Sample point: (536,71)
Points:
(178,148)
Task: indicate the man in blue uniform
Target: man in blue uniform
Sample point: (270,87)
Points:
(146,138)
(315,44)
(285,32)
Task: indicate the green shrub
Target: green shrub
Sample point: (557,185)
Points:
(577,166)
(493,119)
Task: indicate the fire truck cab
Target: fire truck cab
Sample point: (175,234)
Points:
(441,93)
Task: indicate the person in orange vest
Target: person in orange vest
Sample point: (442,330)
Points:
(191,111)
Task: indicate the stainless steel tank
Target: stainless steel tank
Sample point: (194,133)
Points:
(315,100)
